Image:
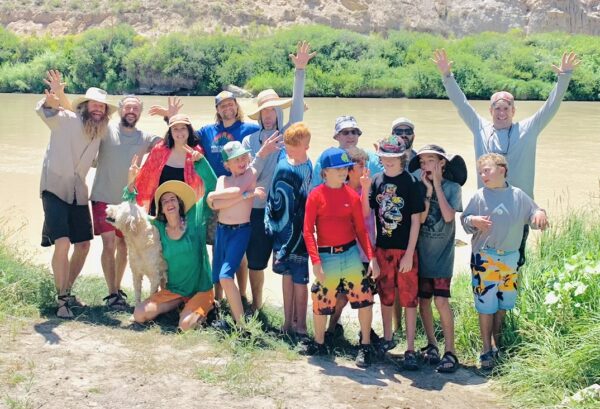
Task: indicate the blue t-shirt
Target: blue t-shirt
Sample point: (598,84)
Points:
(214,137)
(284,213)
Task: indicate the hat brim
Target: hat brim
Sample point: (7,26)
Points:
(80,100)
(276,103)
(180,122)
(181,189)
(455,169)
(343,165)
(237,154)
(389,154)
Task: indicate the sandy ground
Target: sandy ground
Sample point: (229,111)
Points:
(58,364)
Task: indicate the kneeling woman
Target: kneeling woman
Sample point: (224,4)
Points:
(181,223)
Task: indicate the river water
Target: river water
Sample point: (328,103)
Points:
(567,169)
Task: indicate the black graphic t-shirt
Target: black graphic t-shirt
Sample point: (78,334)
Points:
(394,200)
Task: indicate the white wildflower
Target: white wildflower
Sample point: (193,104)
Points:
(551,298)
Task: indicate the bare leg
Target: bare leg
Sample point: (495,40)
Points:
(80,252)
(447,320)
(397,316)
(386,316)
(218,291)
(148,310)
(427,319)
(319,322)
(411,327)
(234,299)
(300,305)
(287,286)
(60,265)
(486,323)
(242,276)
(108,260)
(497,329)
(120,262)
(257,280)
(365,317)
(340,303)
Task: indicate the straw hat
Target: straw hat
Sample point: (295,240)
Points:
(95,94)
(179,119)
(180,189)
(266,99)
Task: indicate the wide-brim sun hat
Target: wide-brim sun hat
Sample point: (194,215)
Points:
(390,147)
(333,158)
(181,189)
(232,150)
(95,94)
(267,99)
(455,169)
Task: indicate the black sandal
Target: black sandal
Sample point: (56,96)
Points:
(63,302)
(430,354)
(115,302)
(448,364)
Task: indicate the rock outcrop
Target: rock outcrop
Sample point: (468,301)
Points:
(448,17)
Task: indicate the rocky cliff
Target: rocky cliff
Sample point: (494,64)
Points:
(448,17)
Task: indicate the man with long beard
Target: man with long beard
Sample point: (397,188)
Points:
(74,141)
(117,150)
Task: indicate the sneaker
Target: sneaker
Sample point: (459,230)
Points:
(363,358)
(313,349)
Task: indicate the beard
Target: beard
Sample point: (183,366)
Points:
(93,128)
(126,123)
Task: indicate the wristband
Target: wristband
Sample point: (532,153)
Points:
(245,195)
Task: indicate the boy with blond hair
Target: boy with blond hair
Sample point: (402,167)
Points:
(495,216)
(284,218)
(231,199)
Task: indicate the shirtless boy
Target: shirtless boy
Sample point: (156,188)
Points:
(230,198)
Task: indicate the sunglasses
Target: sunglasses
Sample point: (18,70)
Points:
(346,132)
(400,132)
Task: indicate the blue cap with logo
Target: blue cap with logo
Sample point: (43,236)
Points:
(335,158)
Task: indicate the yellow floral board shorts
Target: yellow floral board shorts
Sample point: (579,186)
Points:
(494,280)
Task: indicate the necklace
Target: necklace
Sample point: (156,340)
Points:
(490,140)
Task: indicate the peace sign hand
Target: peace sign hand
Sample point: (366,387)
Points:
(196,155)
(134,169)
(365,179)
(270,145)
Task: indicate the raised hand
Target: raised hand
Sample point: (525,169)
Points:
(173,107)
(426,182)
(270,145)
(52,100)
(134,169)
(437,174)
(54,81)
(568,63)
(440,58)
(303,55)
(196,155)
(365,179)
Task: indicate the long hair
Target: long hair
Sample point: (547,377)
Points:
(93,129)
(192,139)
(238,117)
(160,215)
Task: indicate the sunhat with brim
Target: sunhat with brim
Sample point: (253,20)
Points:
(95,94)
(345,122)
(182,190)
(455,169)
(403,121)
(179,119)
(232,150)
(267,99)
(333,158)
(390,147)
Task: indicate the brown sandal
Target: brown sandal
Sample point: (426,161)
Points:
(63,305)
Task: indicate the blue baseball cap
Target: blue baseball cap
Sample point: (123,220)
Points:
(335,158)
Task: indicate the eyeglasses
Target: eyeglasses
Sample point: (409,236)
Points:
(400,132)
(347,132)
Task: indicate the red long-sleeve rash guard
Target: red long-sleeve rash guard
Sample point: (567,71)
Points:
(337,216)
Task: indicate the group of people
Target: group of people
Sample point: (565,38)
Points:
(369,222)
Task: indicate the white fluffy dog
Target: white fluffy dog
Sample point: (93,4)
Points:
(143,245)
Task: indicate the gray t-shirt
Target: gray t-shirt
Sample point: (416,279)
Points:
(509,209)
(436,237)
(114,159)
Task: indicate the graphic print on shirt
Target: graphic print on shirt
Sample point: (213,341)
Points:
(390,205)
(500,210)
(220,140)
